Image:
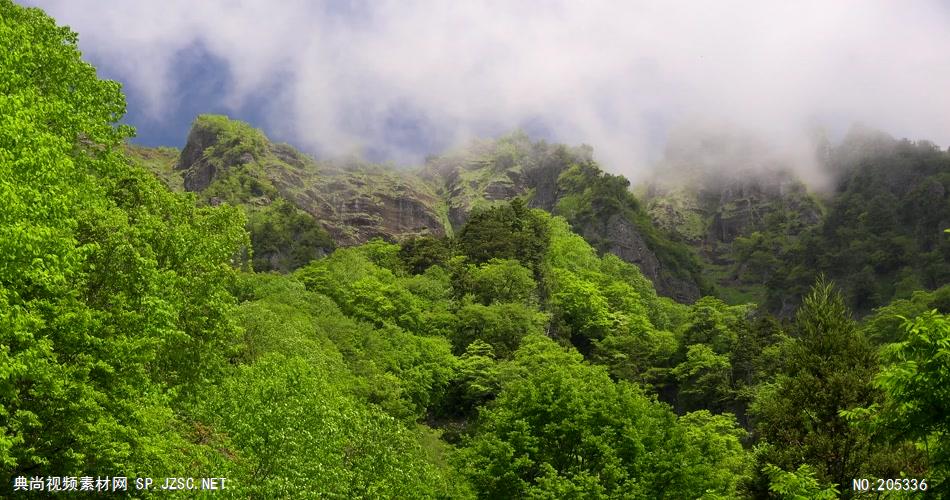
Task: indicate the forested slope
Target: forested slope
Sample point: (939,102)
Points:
(875,227)
(510,360)
(300,209)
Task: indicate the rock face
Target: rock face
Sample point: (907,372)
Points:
(197,170)
(710,214)
(498,171)
(357,203)
(626,241)
(715,185)
(743,206)
(352,200)
(226,161)
(492,171)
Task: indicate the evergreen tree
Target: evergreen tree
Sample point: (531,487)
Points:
(829,366)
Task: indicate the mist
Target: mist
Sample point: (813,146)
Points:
(409,78)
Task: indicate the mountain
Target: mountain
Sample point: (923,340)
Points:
(299,208)
(494,352)
(764,237)
(566,181)
(354,201)
(716,189)
(882,235)
(721,216)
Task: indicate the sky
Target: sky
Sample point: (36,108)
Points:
(398,80)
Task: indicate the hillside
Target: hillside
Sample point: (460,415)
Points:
(731,222)
(567,182)
(764,237)
(353,201)
(715,192)
(491,326)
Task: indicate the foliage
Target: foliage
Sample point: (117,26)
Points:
(137,339)
(363,289)
(112,289)
(882,236)
(477,380)
(886,325)
(424,252)
(501,280)
(828,368)
(510,231)
(596,198)
(798,485)
(500,325)
(704,379)
(916,380)
(290,429)
(285,238)
(561,426)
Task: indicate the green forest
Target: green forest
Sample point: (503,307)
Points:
(152,330)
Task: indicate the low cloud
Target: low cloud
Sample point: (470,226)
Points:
(619,76)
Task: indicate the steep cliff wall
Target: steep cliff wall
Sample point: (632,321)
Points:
(353,201)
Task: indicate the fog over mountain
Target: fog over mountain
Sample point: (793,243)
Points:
(402,79)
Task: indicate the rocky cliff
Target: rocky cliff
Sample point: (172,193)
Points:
(712,200)
(352,200)
(565,181)
(713,216)
(299,202)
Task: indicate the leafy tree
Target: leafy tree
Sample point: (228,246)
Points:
(642,357)
(501,325)
(477,380)
(886,325)
(715,453)
(421,253)
(113,291)
(881,235)
(510,231)
(568,250)
(363,289)
(285,238)
(712,322)
(581,312)
(501,280)
(383,254)
(662,312)
(291,429)
(704,379)
(560,426)
(916,383)
(402,373)
(798,485)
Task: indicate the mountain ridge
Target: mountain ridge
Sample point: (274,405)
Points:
(227,161)
(749,234)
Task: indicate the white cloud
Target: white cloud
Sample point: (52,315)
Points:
(615,75)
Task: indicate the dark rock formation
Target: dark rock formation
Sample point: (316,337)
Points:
(489,172)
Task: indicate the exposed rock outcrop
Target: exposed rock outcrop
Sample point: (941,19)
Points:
(226,161)
(353,201)
(492,171)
